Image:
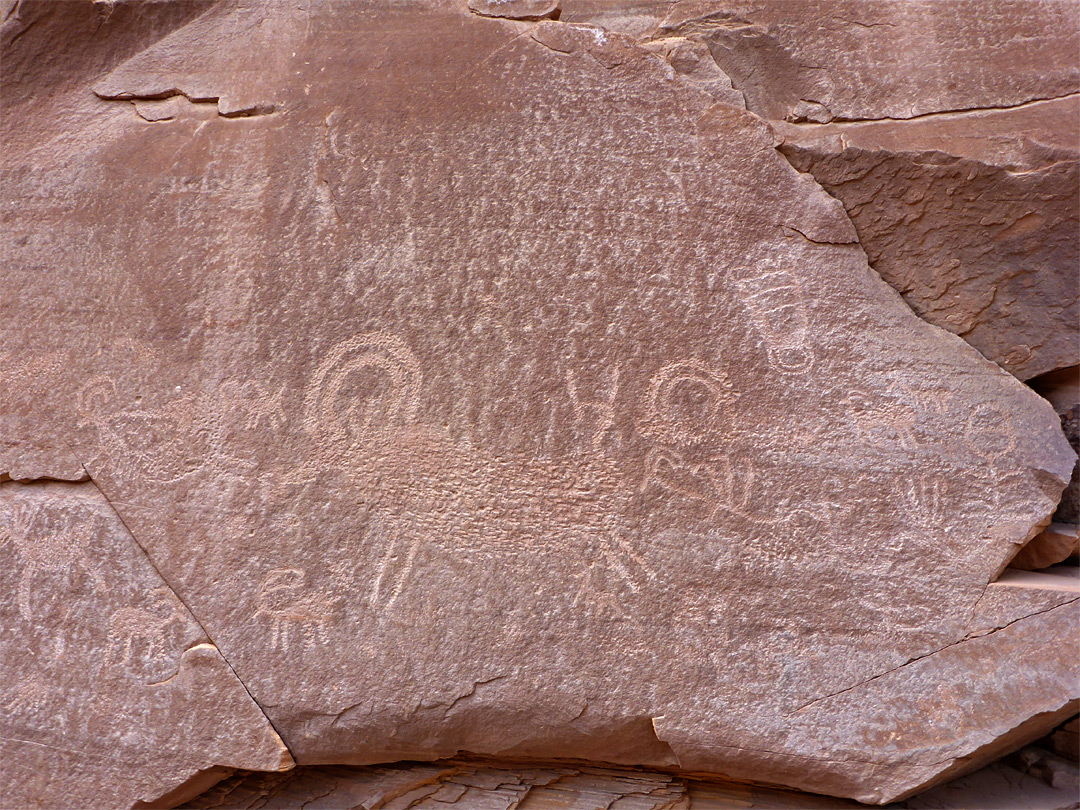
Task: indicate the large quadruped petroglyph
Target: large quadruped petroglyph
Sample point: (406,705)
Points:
(418,378)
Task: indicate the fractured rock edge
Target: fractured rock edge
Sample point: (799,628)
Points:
(274,754)
(1037,347)
(474,782)
(1016,221)
(865,780)
(260,707)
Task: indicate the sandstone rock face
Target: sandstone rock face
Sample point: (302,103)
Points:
(493,384)
(829,60)
(973,217)
(115,694)
(470,785)
(950,138)
(1056,544)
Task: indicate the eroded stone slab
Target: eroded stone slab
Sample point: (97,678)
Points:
(964,194)
(500,391)
(504,785)
(824,60)
(113,694)
(974,218)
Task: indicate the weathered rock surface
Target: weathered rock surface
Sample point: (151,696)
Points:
(973,217)
(825,60)
(112,693)
(521,786)
(1057,543)
(964,191)
(482,384)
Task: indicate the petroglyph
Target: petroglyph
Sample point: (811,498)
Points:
(882,421)
(373,299)
(45,548)
(396,564)
(685,416)
(284,600)
(927,499)
(366,384)
(596,417)
(777,305)
(686,404)
(164,444)
(253,405)
(137,634)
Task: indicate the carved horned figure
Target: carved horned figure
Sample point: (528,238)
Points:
(134,630)
(281,599)
(47,551)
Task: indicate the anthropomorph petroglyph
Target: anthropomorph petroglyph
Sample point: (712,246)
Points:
(597,416)
(366,384)
(685,416)
(687,404)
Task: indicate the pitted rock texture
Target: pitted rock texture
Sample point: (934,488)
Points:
(963,190)
(825,60)
(495,385)
(974,218)
(115,694)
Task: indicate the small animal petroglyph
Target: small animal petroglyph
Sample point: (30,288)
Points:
(883,421)
(45,549)
(136,633)
(599,413)
(777,307)
(284,601)
(718,483)
(686,404)
(989,433)
(366,384)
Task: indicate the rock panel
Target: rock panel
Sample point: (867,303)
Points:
(481,370)
(825,60)
(114,695)
(974,218)
(963,192)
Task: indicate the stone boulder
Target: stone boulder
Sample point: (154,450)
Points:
(485,384)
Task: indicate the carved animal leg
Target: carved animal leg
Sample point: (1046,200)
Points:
(384,566)
(402,576)
(25,593)
(97,579)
